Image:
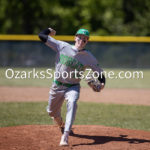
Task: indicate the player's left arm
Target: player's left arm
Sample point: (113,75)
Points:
(99,83)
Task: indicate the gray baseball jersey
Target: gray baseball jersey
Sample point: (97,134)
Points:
(69,59)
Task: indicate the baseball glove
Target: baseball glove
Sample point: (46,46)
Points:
(94,84)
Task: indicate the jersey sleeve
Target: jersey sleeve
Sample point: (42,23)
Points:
(55,44)
(93,63)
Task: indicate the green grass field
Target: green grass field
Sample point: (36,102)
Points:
(110,83)
(124,116)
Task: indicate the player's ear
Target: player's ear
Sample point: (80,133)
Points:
(87,40)
(75,38)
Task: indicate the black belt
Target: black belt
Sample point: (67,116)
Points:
(64,84)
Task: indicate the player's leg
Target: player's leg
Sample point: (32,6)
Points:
(56,98)
(71,95)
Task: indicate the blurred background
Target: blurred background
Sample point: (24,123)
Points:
(100,17)
(111,17)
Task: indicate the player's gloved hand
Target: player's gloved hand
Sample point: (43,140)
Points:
(52,32)
(95,85)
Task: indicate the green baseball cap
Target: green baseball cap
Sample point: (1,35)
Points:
(83,31)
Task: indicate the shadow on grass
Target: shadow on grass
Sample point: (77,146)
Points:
(105,139)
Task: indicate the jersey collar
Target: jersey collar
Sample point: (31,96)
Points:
(77,49)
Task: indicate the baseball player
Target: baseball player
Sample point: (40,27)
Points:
(69,59)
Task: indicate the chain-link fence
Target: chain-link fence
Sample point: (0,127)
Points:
(21,53)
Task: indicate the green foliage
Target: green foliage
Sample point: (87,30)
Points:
(101,17)
(124,116)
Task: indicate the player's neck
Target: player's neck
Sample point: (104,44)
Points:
(78,48)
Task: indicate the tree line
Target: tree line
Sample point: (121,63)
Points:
(100,17)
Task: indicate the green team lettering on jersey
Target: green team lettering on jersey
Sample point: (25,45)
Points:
(71,62)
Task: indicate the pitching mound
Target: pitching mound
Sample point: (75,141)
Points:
(47,137)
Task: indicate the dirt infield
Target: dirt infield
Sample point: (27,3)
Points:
(47,137)
(118,96)
(34,137)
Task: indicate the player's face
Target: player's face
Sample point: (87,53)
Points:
(81,41)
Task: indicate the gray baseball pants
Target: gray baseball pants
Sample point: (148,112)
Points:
(56,98)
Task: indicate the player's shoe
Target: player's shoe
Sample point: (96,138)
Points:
(64,140)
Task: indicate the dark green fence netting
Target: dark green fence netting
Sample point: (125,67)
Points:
(109,54)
